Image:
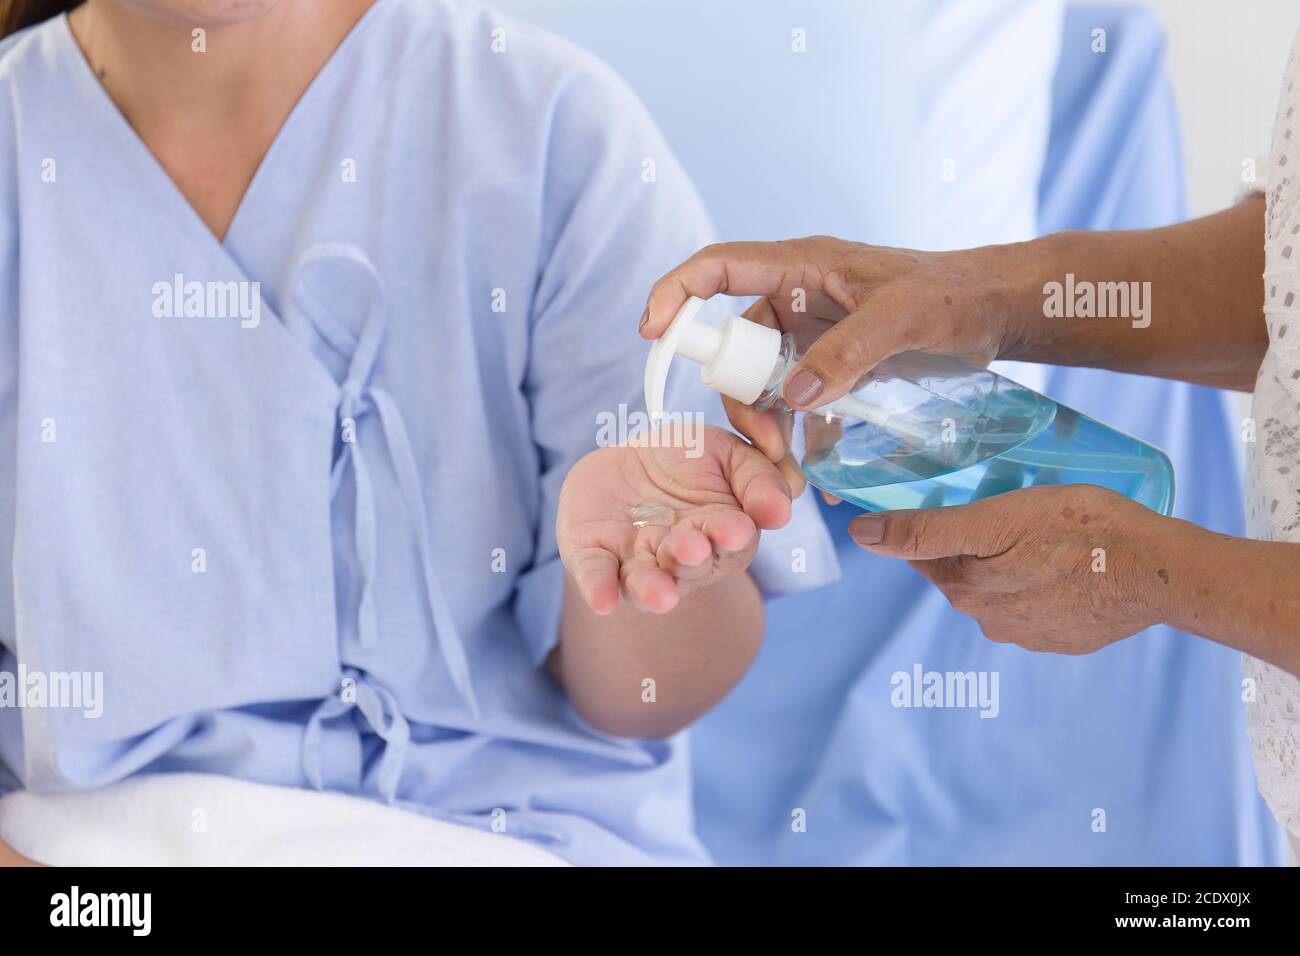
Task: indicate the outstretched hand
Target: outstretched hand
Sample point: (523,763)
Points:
(660,516)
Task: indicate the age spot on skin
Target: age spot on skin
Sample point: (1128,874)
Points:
(1163,575)
(1085,519)
(1067,512)
(947,300)
(651,513)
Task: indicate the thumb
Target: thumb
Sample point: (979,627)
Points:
(848,350)
(983,529)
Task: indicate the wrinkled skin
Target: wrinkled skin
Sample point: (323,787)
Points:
(1025,565)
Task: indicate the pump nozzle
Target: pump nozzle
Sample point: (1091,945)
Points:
(736,358)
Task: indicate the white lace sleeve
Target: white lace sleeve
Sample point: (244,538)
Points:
(1273,459)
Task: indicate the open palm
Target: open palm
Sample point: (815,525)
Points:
(659,522)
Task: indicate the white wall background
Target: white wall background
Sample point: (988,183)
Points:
(1226,59)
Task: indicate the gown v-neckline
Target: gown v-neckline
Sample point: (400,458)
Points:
(337,61)
(158,188)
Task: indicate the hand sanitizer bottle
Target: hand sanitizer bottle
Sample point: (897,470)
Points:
(919,430)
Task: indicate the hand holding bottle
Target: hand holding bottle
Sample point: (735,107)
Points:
(850,306)
(1066,569)
(921,430)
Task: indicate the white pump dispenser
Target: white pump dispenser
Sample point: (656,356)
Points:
(737,358)
(742,360)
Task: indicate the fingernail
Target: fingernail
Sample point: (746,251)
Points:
(867,529)
(803,388)
(645,317)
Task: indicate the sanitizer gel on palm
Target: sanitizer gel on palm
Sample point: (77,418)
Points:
(918,431)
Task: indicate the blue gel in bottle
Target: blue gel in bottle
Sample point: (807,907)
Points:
(956,434)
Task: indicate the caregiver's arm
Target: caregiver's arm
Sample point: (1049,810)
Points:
(1238,592)
(1204,305)
(1200,319)
(660,617)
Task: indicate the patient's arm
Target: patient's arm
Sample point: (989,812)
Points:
(660,617)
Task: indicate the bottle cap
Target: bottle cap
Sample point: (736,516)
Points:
(736,358)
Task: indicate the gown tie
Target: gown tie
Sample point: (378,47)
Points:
(379,708)
(360,398)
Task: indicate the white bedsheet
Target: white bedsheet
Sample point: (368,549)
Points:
(205,820)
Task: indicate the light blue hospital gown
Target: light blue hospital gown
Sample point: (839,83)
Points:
(314,546)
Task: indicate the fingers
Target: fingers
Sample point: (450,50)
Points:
(595,571)
(685,551)
(793,476)
(884,320)
(653,582)
(762,313)
(944,573)
(760,487)
(761,428)
(733,268)
(849,349)
(764,429)
(688,554)
(652,589)
(983,529)
(688,551)
(729,532)
(766,499)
